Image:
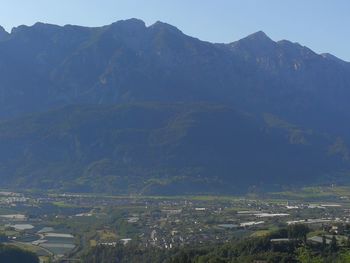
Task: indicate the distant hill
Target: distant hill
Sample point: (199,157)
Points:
(150,109)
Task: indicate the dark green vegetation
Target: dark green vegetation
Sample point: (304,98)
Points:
(196,117)
(248,250)
(14,255)
(159,149)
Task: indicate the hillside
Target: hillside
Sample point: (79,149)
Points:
(162,148)
(149,109)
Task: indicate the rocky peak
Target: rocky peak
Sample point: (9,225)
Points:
(132,24)
(161,26)
(259,36)
(3,33)
(257,43)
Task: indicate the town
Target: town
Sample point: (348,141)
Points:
(59,227)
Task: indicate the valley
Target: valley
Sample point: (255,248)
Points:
(135,142)
(65,226)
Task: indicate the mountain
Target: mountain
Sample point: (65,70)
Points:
(3,34)
(214,117)
(47,66)
(161,148)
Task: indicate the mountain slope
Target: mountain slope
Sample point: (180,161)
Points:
(297,83)
(156,148)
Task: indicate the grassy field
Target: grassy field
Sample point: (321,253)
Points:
(306,193)
(261,233)
(64,205)
(106,235)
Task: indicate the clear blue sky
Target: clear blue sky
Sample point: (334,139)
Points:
(323,25)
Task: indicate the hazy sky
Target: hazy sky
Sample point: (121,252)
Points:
(323,25)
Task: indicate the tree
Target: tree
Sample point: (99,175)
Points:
(298,231)
(305,256)
(324,243)
(16,255)
(333,245)
(344,257)
(348,242)
(3,238)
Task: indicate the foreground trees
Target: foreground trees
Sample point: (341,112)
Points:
(248,250)
(10,254)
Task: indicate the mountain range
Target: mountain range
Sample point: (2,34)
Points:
(147,109)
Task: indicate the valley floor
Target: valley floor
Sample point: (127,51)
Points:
(59,226)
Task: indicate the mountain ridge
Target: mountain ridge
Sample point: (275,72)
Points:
(258,34)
